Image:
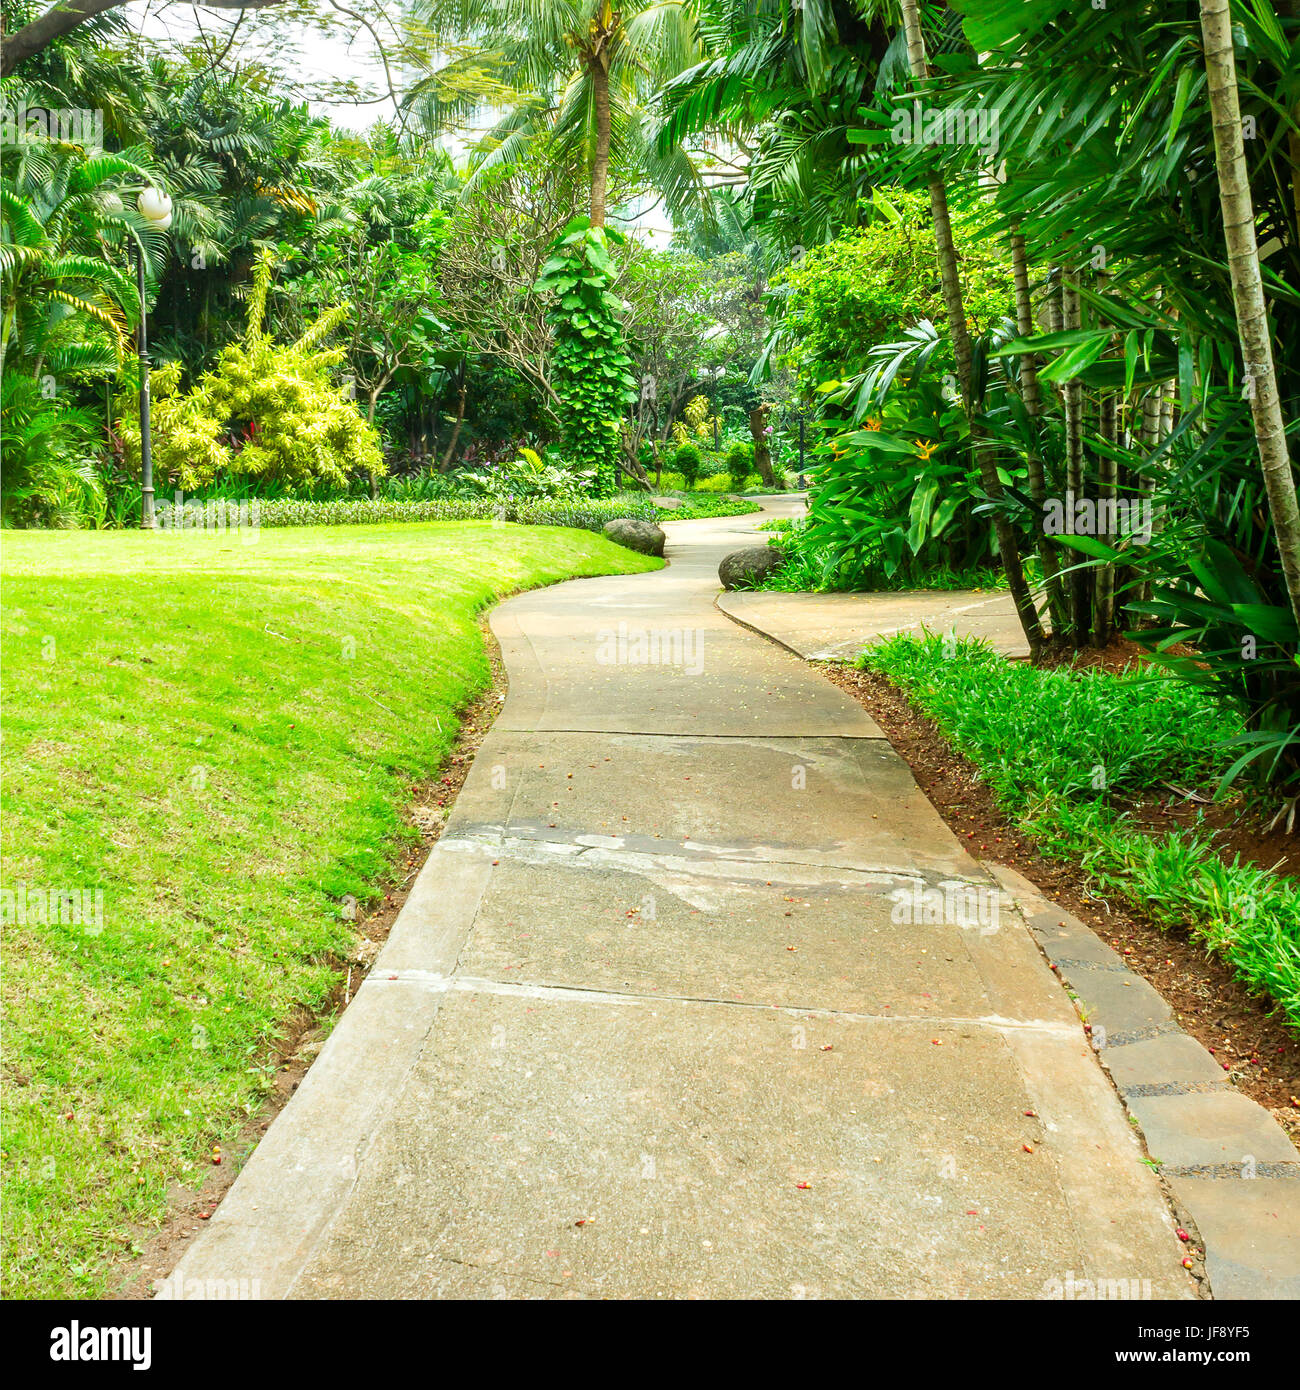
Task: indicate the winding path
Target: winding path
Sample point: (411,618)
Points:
(648,1025)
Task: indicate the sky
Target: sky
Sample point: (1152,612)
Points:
(320,60)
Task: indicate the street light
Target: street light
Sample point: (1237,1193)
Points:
(156,209)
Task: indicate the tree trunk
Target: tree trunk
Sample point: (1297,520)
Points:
(762,454)
(600,155)
(954,303)
(1054,287)
(1248,291)
(1107,491)
(1148,438)
(1072,391)
(370,420)
(1032,394)
(455,432)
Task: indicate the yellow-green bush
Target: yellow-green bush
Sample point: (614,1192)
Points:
(267,410)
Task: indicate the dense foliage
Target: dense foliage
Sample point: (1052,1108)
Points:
(266,410)
(590,367)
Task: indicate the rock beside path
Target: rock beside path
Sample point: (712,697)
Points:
(749,566)
(635,534)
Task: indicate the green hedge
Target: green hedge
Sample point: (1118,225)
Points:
(588,515)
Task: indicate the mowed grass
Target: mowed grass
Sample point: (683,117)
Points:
(222,736)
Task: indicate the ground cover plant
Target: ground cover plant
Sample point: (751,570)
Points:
(1069,754)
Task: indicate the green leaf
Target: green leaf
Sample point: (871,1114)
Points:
(1070,363)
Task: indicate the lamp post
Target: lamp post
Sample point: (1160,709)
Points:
(156,209)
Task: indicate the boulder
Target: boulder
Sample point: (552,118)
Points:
(635,534)
(749,566)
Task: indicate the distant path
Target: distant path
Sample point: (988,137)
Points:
(835,627)
(647,1025)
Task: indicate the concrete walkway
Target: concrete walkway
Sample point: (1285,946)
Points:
(681,1007)
(835,627)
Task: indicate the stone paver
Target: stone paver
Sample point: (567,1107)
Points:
(1226,1160)
(671,1012)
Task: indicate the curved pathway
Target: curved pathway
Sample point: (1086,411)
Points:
(696,997)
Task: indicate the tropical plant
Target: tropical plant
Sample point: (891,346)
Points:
(66,305)
(687,461)
(267,411)
(525,479)
(50,449)
(739,463)
(591,368)
(583,73)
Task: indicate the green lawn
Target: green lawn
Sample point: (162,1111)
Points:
(222,737)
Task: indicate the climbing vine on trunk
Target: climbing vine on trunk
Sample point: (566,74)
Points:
(591,370)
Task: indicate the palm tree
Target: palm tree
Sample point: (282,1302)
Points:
(65,315)
(584,71)
(954,302)
(60,209)
(1248,291)
(783,86)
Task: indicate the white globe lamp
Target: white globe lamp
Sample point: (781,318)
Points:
(155,207)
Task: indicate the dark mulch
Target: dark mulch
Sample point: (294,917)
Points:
(1257,1051)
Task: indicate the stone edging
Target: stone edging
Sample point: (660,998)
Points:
(1225,1160)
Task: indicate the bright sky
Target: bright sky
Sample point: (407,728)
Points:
(313,60)
(320,62)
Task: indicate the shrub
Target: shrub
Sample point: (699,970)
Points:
(49,476)
(529,477)
(267,410)
(711,464)
(587,514)
(740,463)
(687,461)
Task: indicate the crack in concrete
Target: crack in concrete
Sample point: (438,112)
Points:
(685,860)
(479,984)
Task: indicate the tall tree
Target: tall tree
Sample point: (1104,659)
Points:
(1031,391)
(954,302)
(584,74)
(1248,291)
